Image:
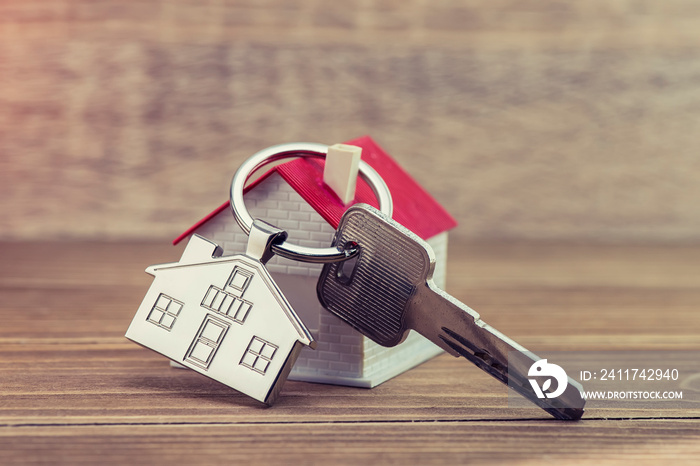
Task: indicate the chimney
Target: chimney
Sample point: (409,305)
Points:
(340,171)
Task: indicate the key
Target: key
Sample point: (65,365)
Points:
(387,289)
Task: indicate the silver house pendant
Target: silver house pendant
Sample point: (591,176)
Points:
(223,317)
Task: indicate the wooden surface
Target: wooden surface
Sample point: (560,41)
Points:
(73,390)
(526,119)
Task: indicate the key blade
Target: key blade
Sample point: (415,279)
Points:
(461,332)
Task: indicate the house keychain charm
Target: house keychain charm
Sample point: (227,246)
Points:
(224,316)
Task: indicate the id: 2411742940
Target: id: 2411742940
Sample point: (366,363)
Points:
(630,374)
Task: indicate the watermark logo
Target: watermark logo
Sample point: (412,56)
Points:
(654,380)
(544,369)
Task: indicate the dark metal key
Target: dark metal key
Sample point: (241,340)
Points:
(387,289)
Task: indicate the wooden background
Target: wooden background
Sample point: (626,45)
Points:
(531,119)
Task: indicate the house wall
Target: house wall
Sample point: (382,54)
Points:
(276,202)
(342,354)
(439,245)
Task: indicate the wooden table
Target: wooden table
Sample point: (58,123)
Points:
(74,390)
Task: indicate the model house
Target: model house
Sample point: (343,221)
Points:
(222,317)
(292,196)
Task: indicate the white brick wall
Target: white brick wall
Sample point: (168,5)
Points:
(439,245)
(342,355)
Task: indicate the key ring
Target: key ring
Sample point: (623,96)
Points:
(292,150)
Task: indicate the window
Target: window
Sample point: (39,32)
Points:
(164,312)
(204,346)
(238,281)
(220,301)
(258,355)
(229,301)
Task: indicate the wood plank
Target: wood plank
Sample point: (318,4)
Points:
(55,386)
(530,442)
(74,391)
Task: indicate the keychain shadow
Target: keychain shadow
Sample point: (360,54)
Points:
(184,385)
(178,384)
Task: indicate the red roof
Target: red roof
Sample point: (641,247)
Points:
(414,208)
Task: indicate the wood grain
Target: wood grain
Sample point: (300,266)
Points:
(74,391)
(531,119)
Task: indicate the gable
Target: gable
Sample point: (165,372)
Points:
(413,206)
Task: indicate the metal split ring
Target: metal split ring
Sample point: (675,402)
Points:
(293,150)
